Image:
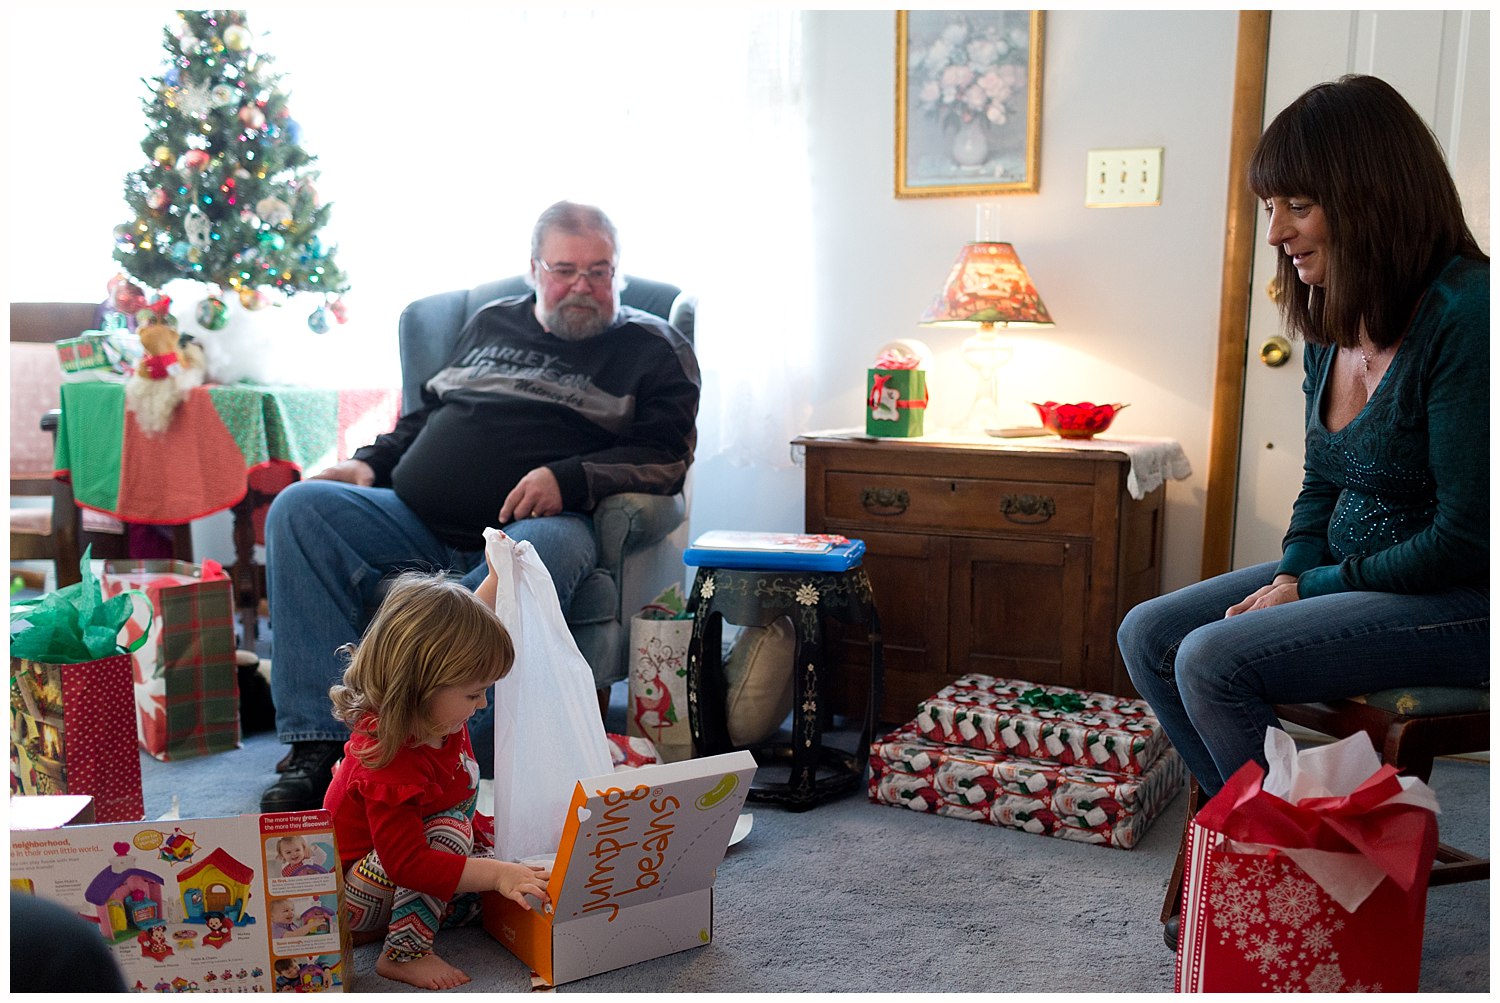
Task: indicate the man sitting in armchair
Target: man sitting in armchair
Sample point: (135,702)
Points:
(550,402)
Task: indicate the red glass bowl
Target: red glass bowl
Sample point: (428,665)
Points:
(1077,421)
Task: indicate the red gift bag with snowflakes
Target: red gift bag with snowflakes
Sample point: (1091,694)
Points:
(1317,894)
(73,732)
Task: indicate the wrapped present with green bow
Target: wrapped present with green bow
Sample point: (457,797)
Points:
(72,697)
(1056,723)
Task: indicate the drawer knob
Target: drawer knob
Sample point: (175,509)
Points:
(1027,508)
(884,501)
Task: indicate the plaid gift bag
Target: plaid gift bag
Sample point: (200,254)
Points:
(186,680)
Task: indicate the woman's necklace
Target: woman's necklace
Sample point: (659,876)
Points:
(1364,354)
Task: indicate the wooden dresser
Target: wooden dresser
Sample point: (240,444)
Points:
(1012,560)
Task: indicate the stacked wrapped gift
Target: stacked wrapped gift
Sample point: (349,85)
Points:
(1047,759)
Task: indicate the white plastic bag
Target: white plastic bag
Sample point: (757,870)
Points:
(548,732)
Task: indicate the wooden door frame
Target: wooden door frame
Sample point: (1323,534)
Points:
(1246,116)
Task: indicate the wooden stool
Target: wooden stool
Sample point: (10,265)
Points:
(1409,727)
(755,598)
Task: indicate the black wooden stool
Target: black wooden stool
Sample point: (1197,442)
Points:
(756,598)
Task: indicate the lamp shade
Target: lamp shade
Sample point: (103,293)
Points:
(988,285)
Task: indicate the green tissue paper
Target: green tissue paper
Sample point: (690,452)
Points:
(75,623)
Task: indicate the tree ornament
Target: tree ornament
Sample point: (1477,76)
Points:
(237,37)
(252,117)
(340,310)
(197,226)
(318,321)
(271,240)
(163,155)
(193,161)
(125,236)
(194,99)
(158,199)
(274,210)
(222,94)
(129,298)
(213,314)
(251,298)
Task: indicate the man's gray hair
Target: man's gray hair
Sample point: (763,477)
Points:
(576,219)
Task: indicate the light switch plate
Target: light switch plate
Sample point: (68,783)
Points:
(1124,177)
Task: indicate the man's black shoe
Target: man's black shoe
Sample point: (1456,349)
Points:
(304,781)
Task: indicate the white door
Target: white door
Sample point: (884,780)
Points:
(1439,61)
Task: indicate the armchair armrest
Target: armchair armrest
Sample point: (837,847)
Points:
(628,522)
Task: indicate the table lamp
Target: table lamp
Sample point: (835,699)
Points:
(988,286)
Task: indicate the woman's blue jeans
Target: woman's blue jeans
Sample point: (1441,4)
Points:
(1213,682)
(329,545)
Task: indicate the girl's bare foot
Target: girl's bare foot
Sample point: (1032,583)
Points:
(426,972)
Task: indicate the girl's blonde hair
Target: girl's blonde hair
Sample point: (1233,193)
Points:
(429,632)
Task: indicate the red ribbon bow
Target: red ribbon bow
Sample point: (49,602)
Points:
(881,379)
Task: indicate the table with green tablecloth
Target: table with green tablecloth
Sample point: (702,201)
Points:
(227,447)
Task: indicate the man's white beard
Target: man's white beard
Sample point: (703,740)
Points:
(576,325)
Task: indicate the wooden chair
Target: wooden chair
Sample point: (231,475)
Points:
(1409,727)
(61,531)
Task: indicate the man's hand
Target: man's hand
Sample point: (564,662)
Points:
(535,494)
(1283,589)
(356,472)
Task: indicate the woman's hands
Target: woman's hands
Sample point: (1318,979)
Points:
(1283,589)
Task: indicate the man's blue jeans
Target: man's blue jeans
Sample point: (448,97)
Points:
(1213,682)
(329,545)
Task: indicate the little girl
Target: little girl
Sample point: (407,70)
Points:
(403,796)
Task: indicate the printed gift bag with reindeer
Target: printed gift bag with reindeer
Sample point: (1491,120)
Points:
(657,708)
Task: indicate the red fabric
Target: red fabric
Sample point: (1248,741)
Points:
(207,471)
(383,809)
(99,737)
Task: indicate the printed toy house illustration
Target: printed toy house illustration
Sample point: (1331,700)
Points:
(127,899)
(217,884)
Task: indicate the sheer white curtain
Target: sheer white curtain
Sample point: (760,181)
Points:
(441,133)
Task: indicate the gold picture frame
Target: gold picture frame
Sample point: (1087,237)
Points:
(968,102)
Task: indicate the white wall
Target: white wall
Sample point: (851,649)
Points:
(1135,292)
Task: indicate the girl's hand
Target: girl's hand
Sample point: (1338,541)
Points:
(516,881)
(1283,589)
(490,585)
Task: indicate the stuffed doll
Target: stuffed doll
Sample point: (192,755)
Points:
(165,373)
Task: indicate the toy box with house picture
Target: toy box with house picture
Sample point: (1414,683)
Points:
(246,904)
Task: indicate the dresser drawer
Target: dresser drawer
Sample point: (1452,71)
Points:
(902,502)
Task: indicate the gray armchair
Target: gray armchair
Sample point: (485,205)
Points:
(641,536)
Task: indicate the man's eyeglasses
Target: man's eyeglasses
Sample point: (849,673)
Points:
(568,274)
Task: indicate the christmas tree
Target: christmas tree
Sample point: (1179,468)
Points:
(227,197)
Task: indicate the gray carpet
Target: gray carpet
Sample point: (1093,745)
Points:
(853,896)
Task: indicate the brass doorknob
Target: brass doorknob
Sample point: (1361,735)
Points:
(1275,351)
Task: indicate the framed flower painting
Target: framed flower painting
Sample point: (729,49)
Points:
(968,101)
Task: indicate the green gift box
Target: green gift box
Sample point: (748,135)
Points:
(85,352)
(895,401)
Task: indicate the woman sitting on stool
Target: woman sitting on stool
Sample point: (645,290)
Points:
(1383,578)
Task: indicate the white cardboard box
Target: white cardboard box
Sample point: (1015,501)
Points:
(184,904)
(634,873)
